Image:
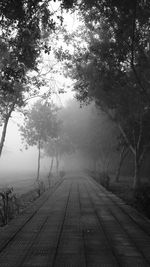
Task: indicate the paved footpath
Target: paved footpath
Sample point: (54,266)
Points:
(77,224)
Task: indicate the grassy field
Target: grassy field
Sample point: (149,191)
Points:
(22,182)
(25,191)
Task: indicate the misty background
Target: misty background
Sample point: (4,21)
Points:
(92,134)
(87,138)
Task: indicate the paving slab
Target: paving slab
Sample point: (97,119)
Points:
(77,224)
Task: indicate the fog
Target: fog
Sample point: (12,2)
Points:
(14,163)
(91,141)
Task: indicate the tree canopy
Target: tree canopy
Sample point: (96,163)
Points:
(40,124)
(113,67)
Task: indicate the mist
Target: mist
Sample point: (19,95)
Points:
(93,135)
(88,141)
(18,163)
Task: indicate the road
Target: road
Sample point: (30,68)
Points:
(77,224)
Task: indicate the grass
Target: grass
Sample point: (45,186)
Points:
(24,191)
(139,198)
(123,189)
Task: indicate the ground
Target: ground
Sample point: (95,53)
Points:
(77,224)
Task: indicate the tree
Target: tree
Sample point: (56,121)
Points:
(25,28)
(31,22)
(12,88)
(113,66)
(124,150)
(49,149)
(56,148)
(40,126)
(91,133)
(117,93)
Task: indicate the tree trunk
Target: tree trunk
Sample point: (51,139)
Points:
(3,136)
(117,178)
(123,155)
(50,171)
(57,165)
(137,181)
(39,158)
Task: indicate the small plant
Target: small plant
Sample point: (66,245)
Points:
(9,205)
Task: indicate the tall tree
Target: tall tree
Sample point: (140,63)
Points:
(113,68)
(40,125)
(25,29)
(91,133)
(12,88)
(58,147)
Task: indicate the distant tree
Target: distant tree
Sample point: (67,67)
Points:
(56,148)
(91,132)
(49,150)
(63,146)
(40,126)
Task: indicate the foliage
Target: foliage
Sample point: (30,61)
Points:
(40,124)
(24,28)
(8,205)
(142,199)
(90,131)
(60,145)
(29,21)
(12,87)
(64,145)
(113,68)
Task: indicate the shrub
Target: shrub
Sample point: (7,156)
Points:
(142,199)
(9,205)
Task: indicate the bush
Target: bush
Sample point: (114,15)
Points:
(142,199)
(9,205)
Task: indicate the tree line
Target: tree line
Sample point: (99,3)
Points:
(112,68)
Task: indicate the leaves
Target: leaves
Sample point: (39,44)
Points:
(40,124)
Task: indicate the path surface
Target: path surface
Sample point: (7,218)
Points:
(78,224)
